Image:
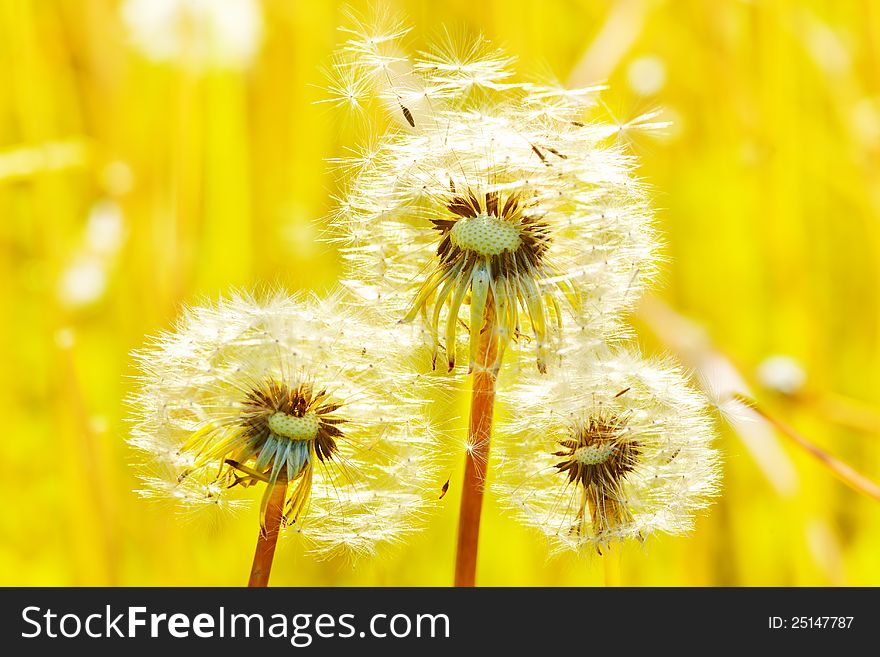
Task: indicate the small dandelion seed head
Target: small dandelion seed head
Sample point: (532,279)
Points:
(606,448)
(253,389)
(485,199)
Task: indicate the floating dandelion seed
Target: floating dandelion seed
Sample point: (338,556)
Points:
(608,447)
(292,392)
(490,203)
(348,87)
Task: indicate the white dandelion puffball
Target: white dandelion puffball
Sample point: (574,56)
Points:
(204,34)
(608,447)
(252,391)
(487,201)
(782,374)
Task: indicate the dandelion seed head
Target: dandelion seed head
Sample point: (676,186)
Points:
(485,235)
(607,448)
(294,427)
(253,389)
(483,198)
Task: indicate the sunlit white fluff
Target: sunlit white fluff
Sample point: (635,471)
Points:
(191,406)
(636,429)
(467,160)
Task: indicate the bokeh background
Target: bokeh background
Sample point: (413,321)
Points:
(155,151)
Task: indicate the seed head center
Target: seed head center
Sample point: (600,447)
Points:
(486,235)
(293,427)
(593,454)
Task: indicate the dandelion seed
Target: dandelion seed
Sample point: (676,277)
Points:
(370,36)
(495,205)
(348,86)
(609,447)
(457,64)
(291,392)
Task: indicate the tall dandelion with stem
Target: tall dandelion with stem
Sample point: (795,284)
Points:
(298,396)
(493,211)
(613,447)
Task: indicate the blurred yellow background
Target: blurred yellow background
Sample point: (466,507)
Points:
(148,161)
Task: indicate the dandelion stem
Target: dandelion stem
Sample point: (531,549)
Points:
(611,566)
(268,537)
(855,480)
(477,457)
(845,411)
